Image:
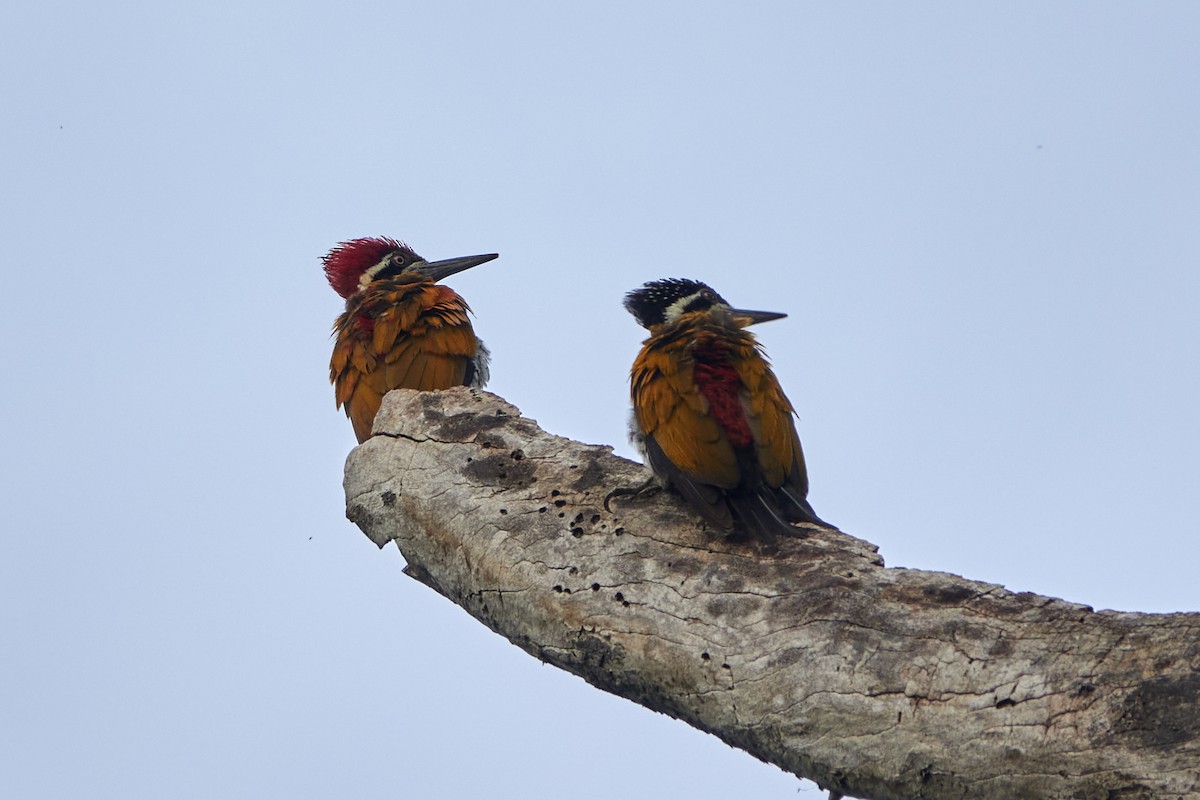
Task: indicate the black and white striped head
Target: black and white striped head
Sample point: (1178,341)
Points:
(661,302)
(665,301)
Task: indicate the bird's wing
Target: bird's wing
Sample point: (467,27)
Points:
(776,443)
(414,336)
(772,424)
(428,359)
(425,340)
(705,498)
(352,363)
(684,445)
(672,410)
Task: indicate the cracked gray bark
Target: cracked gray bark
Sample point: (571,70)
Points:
(874,682)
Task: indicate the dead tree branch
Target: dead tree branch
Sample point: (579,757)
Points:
(879,683)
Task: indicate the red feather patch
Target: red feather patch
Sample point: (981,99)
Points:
(721,385)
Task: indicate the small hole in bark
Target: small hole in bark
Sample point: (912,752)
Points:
(555,492)
(573,571)
(1005,703)
(560,503)
(557,588)
(619,531)
(542,510)
(595,518)
(620,598)
(705,656)
(577,532)
(562,515)
(578,519)
(595,587)
(726,666)
(504,511)
(517,455)
(469,459)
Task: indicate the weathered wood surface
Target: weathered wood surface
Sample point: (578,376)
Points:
(880,683)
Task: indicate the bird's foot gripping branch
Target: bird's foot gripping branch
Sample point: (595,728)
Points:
(874,682)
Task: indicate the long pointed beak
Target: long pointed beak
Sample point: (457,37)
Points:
(443,269)
(745,318)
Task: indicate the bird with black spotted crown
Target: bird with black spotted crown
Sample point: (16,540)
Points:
(401,328)
(709,415)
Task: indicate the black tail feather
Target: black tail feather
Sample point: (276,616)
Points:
(756,515)
(768,510)
(796,508)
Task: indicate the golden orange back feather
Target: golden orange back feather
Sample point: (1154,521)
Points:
(670,408)
(673,414)
(407,332)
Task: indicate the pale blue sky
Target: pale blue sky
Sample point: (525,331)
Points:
(982,219)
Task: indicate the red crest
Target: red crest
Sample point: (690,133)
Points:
(346,263)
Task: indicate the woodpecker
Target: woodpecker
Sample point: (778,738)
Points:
(400,329)
(709,415)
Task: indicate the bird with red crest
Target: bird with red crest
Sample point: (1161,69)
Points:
(401,328)
(709,415)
